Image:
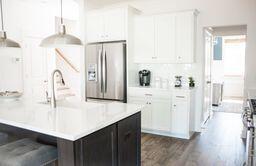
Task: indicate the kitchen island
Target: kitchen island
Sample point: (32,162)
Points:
(84,133)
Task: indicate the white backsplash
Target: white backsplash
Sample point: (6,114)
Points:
(169,71)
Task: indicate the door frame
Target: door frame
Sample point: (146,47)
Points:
(206,30)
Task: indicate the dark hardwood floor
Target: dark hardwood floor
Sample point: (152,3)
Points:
(218,145)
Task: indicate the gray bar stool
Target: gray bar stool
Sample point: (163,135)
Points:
(26,152)
(3,138)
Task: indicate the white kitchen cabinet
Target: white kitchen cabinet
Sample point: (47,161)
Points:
(146,114)
(185,37)
(95,27)
(165,38)
(161,114)
(156,116)
(115,24)
(144,40)
(106,25)
(179,120)
(166,112)
(182,121)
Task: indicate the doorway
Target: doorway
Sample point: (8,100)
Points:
(227,68)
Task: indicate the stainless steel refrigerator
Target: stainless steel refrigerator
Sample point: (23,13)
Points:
(106,71)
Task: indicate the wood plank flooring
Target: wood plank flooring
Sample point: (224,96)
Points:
(218,145)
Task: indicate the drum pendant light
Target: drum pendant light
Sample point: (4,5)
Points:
(61,38)
(4,42)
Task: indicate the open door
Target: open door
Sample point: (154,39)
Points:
(208,40)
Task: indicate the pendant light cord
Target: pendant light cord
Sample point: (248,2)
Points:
(61,18)
(2,16)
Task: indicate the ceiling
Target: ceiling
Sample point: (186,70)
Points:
(100,3)
(91,4)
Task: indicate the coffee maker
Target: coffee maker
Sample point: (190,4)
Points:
(144,76)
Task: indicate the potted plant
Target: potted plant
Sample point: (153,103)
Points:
(191,82)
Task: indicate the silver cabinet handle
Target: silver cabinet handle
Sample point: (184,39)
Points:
(180,97)
(147,94)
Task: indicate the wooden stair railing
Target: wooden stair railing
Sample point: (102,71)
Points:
(61,55)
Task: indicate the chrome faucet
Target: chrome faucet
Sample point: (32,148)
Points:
(53,97)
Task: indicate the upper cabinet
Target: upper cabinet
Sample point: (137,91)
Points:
(165,38)
(185,37)
(115,24)
(95,27)
(107,25)
(144,39)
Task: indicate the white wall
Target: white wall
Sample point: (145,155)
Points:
(230,12)
(31,18)
(21,20)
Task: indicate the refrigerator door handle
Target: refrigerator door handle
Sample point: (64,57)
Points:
(100,70)
(105,71)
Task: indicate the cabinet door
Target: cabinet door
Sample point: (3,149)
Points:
(161,115)
(144,40)
(101,148)
(146,113)
(129,139)
(95,27)
(185,31)
(165,38)
(180,120)
(115,25)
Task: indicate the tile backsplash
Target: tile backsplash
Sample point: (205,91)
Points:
(169,71)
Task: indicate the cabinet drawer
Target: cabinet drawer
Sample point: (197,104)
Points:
(149,93)
(180,95)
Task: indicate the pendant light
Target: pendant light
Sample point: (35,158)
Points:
(4,42)
(61,38)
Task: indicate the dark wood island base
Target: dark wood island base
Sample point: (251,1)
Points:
(116,145)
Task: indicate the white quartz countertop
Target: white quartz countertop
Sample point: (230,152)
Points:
(70,120)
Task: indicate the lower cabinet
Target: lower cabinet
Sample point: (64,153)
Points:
(146,114)
(100,147)
(169,115)
(183,113)
(156,114)
(161,115)
(129,140)
(179,120)
(116,145)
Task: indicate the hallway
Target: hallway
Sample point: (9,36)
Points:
(218,145)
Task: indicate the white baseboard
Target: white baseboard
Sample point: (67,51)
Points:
(167,134)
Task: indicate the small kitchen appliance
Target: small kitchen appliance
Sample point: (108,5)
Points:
(144,76)
(178,82)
